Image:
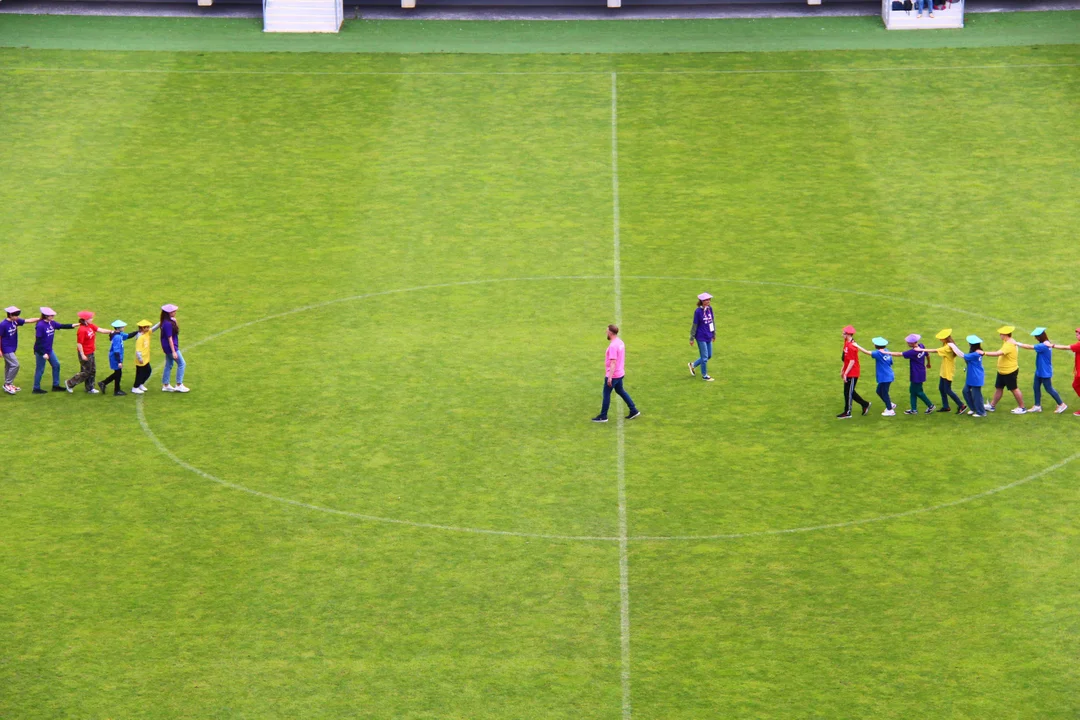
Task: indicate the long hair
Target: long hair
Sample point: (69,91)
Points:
(166,319)
(1041,337)
(700,302)
(974,347)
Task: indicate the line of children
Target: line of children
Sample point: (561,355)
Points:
(86,339)
(973,404)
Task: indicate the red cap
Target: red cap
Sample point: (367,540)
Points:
(850,330)
(85,315)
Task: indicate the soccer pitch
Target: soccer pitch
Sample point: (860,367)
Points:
(384,498)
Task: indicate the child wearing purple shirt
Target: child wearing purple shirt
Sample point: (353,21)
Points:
(9,343)
(919,358)
(43,349)
(170,344)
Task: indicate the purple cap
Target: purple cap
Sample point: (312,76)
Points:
(12,309)
(169,307)
(704,296)
(913,338)
(47,311)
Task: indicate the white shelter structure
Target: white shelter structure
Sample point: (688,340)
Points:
(302,16)
(896,17)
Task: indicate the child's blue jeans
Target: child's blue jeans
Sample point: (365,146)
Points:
(883,393)
(180,365)
(974,398)
(704,353)
(1039,383)
(39,369)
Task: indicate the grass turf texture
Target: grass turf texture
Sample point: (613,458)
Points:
(581,36)
(131,587)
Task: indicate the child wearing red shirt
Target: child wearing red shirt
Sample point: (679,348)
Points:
(849,373)
(86,343)
(1075,348)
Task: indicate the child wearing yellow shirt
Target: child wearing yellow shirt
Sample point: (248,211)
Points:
(1008,370)
(948,372)
(142,356)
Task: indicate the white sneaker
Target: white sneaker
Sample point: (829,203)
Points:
(1035,408)
(691,366)
(93,391)
(1018,411)
(1061,408)
(888,413)
(181,388)
(990,408)
(137,391)
(168,388)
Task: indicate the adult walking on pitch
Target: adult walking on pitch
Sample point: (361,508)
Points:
(1075,347)
(703,332)
(170,343)
(948,372)
(1008,370)
(86,343)
(614,372)
(1044,370)
(9,343)
(849,373)
(43,349)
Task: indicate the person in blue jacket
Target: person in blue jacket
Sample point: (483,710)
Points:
(703,332)
(43,349)
(1044,370)
(976,375)
(116,357)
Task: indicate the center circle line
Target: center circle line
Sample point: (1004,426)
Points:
(148,431)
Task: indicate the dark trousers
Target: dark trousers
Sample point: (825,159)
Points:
(87,373)
(974,397)
(617,386)
(1040,383)
(945,388)
(883,393)
(142,374)
(115,377)
(851,396)
(918,394)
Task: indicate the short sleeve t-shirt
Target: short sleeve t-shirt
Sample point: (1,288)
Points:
(85,338)
(1044,364)
(883,365)
(705,327)
(851,353)
(615,359)
(1075,347)
(948,362)
(1009,362)
(169,329)
(9,334)
(976,375)
(917,356)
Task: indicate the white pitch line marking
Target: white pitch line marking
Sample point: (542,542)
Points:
(601,538)
(620,430)
(497,73)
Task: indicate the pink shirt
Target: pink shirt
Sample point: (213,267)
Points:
(615,359)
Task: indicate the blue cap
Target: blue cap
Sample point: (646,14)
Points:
(119,323)
(1038,331)
(974,339)
(880,341)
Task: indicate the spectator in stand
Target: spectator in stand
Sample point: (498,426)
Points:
(920,4)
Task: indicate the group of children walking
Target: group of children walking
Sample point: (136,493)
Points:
(86,342)
(973,403)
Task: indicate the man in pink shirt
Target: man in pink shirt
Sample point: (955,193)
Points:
(614,370)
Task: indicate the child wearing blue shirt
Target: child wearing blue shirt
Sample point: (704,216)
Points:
(976,375)
(116,357)
(883,365)
(1044,370)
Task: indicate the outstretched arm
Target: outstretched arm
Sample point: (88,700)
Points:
(863,350)
(1017,343)
(956,350)
(995,353)
(1060,347)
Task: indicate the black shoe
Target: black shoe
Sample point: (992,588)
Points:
(39,391)
(101,387)
(119,393)
(866,408)
(962,409)
(930,409)
(911,412)
(843,416)
(631,416)
(59,388)
(599,418)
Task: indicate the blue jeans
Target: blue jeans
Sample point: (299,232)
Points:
(920,4)
(974,398)
(883,393)
(616,385)
(1039,383)
(39,369)
(180,365)
(945,388)
(705,354)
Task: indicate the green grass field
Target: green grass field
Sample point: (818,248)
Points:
(416,257)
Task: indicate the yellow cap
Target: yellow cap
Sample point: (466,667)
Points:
(1006,329)
(944,334)
(145,323)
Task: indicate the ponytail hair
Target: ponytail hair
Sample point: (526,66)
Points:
(700,303)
